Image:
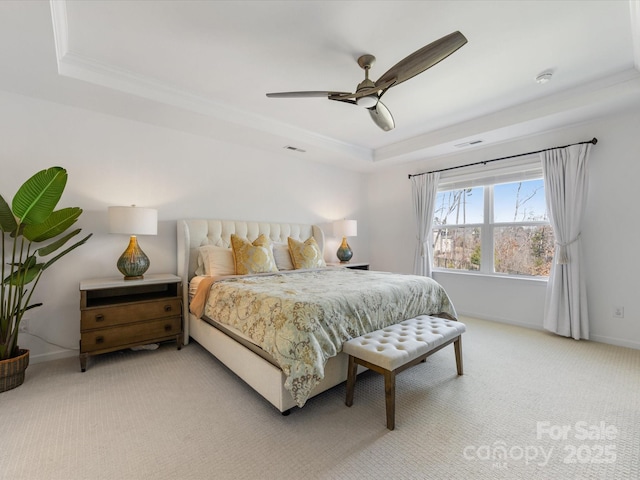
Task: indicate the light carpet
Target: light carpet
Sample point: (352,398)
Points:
(531,405)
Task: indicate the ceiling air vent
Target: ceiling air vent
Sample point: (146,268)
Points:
(295,149)
(468,144)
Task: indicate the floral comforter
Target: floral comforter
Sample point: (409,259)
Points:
(302,318)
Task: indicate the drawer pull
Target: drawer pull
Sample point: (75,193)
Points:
(167,308)
(99,340)
(99,317)
(168,328)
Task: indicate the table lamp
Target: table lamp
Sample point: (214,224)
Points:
(133,221)
(344,229)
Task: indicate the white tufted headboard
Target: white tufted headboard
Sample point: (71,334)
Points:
(194,233)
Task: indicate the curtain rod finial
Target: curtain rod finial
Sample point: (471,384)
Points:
(594,141)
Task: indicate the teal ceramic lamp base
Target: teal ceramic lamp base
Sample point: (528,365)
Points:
(344,253)
(133,262)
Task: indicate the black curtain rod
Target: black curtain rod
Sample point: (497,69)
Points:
(593,141)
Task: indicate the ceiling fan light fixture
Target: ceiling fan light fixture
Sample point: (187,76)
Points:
(367,101)
(382,117)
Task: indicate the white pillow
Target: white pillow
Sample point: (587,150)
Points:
(282,256)
(214,260)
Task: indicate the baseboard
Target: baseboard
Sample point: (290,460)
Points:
(618,342)
(47,357)
(499,320)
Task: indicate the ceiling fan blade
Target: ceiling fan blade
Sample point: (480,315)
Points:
(422,59)
(306,94)
(382,117)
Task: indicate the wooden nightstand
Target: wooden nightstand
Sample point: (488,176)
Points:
(354,266)
(117,313)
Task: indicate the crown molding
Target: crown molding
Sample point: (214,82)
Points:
(565,107)
(634,10)
(74,65)
(273,134)
(60,27)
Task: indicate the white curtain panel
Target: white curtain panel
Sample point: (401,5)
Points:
(425,190)
(565,182)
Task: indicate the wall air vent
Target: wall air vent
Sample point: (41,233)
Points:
(295,149)
(468,144)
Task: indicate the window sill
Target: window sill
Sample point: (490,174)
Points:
(517,278)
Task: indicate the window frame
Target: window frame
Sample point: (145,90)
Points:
(528,168)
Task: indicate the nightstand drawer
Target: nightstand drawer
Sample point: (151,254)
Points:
(106,316)
(135,333)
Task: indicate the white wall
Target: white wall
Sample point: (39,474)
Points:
(610,235)
(114,161)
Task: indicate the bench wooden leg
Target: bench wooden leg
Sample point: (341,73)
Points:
(390,398)
(352,370)
(457,345)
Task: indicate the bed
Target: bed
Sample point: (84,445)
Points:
(258,359)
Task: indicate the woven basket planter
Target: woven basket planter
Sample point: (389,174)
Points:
(12,371)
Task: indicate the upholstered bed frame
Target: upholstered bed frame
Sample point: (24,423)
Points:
(264,377)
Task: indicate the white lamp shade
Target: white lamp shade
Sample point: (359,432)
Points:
(133,220)
(345,228)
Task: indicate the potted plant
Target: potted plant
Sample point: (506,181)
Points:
(30,221)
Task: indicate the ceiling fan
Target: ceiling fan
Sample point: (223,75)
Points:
(369,93)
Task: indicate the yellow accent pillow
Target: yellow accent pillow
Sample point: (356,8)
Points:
(256,257)
(306,254)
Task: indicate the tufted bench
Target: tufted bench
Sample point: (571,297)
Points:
(395,348)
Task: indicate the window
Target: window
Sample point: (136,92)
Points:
(494,225)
